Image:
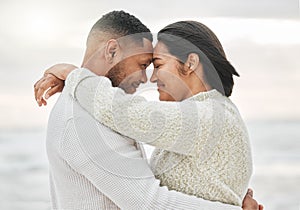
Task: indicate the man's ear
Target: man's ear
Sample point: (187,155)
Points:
(112,50)
(192,62)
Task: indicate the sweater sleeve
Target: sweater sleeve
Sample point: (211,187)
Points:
(173,126)
(112,167)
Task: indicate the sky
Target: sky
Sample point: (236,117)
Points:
(260,38)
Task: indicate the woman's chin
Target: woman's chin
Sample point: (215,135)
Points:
(163,96)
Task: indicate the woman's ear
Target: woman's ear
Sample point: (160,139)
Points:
(112,50)
(192,62)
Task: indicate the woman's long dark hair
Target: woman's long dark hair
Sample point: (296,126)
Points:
(185,37)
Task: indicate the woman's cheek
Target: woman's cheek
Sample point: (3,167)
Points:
(164,75)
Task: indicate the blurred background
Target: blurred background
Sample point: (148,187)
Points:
(261,39)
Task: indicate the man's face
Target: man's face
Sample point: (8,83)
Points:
(129,73)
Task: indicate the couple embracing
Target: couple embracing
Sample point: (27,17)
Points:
(202,157)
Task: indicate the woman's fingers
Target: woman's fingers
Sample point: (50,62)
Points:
(48,82)
(57,88)
(36,87)
(44,102)
(45,85)
(51,83)
(39,90)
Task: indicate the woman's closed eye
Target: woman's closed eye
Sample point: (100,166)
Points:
(157,66)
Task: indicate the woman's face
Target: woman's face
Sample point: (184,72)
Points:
(170,83)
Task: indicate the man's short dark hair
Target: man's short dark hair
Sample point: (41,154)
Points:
(121,23)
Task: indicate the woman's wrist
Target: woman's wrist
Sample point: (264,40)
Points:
(61,70)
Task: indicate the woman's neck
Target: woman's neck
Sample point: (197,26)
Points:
(196,85)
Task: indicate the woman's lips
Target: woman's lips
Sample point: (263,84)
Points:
(160,86)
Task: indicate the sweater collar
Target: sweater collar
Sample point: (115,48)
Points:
(205,95)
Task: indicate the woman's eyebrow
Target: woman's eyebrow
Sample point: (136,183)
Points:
(155,58)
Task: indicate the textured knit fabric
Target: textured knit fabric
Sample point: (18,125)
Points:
(93,167)
(203,146)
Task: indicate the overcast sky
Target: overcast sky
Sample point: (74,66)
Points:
(260,37)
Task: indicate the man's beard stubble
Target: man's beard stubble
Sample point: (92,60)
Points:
(116,75)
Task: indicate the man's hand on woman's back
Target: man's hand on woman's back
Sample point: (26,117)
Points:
(249,203)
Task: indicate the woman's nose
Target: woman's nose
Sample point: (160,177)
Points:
(154,76)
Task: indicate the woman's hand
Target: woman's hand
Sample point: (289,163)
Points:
(61,70)
(249,203)
(49,83)
(52,82)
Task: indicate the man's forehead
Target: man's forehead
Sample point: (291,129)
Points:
(145,57)
(143,51)
(146,47)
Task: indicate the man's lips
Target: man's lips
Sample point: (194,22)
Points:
(136,84)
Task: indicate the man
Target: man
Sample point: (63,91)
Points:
(92,167)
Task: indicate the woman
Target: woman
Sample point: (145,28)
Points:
(202,143)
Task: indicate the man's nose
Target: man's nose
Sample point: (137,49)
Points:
(144,77)
(154,76)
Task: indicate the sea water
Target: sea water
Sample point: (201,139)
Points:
(24,181)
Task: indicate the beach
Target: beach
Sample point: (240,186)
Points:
(275,146)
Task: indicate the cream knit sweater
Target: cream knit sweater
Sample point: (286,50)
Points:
(202,143)
(92,168)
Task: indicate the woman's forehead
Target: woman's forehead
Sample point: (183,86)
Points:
(160,50)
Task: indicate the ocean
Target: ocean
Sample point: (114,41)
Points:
(275,147)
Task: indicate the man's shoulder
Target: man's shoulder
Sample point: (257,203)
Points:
(62,109)
(68,109)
